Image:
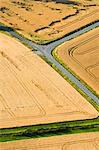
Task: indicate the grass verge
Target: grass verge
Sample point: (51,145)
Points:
(45,130)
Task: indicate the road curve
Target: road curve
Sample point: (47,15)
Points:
(46,51)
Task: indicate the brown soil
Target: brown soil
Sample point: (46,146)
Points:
(31,92)
(82,56)
(44,21)
(83,141)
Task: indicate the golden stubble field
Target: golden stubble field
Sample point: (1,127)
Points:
(45,21)
(82,56)
(31,92)
(83,141)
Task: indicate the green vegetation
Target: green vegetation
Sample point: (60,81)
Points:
(44,130)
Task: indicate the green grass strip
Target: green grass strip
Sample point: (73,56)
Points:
(45,130)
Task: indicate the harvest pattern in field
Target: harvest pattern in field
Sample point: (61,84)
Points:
(46,21)
(82,56)
(84,141)
(30,89)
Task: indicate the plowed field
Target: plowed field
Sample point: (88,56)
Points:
(82,56)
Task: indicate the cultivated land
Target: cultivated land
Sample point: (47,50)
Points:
(81,54)
(30,89)
(46,21)
(84,141)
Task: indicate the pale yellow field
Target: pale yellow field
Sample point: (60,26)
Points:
(82,56)
(44,21)
(31,92)
(83,141)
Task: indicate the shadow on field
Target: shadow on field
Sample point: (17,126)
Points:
(70,2)
(66,2)
(4,28)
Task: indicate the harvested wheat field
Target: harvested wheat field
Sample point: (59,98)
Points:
(83,141)
(46,21)
(30,89)
(82,56)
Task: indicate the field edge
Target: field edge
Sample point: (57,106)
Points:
(55,55)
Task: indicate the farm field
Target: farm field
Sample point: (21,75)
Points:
(84,141)
(30,89)
(43,22)
(81,54)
